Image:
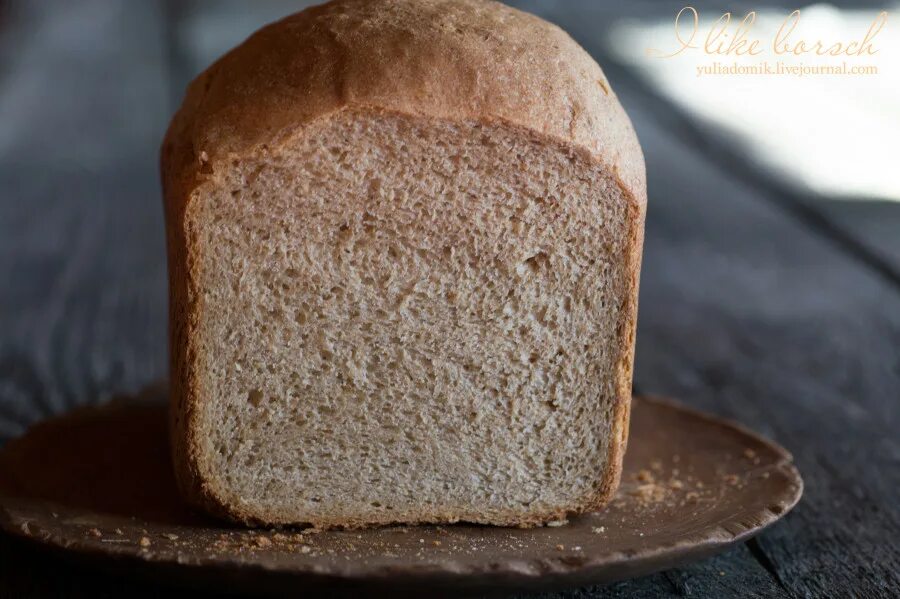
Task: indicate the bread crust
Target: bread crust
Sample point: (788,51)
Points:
(453,60)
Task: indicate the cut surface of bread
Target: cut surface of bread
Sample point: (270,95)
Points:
(404,320)
(387,315)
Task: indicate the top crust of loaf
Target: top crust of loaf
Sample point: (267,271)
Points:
(452,60)
(460,60)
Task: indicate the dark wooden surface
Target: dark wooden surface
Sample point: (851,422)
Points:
(769,306)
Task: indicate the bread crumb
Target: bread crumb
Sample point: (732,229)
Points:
(732,479)
(171,537)
(119,531)
(436,543)
(94,532)
(262,542)
(644,476)
(560,547)
(144,542)
(649,493)
(598,529)
(557,523)
(305,549)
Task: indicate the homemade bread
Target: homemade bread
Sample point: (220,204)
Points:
(404,244)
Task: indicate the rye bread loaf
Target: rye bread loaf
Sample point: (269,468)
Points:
(404,243)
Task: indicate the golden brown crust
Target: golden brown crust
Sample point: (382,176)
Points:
(455,60)
(449,59)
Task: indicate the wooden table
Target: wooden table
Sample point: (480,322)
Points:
(774,308)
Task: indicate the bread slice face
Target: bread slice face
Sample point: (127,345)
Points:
(386,309)
(409,320)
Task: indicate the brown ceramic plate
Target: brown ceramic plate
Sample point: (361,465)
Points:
(97,484)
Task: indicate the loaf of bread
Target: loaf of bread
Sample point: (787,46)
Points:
(404,244)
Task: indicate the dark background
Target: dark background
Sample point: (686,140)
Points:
(760,301)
